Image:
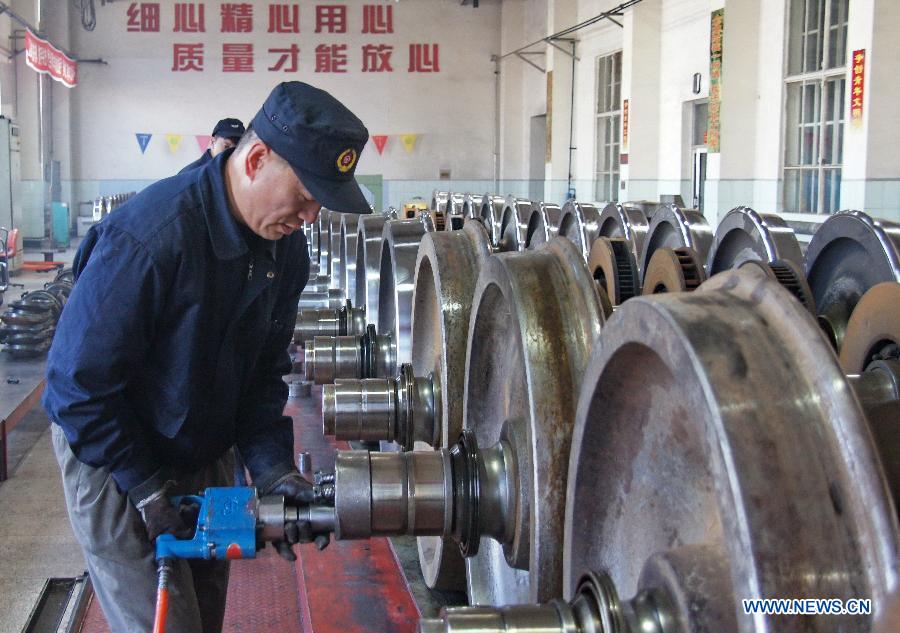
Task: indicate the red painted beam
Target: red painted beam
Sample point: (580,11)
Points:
(352,585)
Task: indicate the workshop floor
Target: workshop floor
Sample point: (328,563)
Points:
(36,541)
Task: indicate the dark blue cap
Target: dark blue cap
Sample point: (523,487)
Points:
(229,128)
(320,138)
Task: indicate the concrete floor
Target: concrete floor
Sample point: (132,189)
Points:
(36,541)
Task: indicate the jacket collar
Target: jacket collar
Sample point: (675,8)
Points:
(227,238)
(224,232)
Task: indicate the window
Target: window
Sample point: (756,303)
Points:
(609,125)
(814,121)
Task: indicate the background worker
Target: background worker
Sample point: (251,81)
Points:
(225,135)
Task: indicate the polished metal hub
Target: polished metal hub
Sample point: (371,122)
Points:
(344,321)
(461,492)
(400,409)
(595,608)
(329,358)
(331,298)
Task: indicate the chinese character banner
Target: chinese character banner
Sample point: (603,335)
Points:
(716,37)
(858,87)
(43,57)
(333,38)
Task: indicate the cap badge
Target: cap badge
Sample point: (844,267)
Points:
(346,160)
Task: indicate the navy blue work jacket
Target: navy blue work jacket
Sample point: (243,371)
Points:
(205,157)
(173,344)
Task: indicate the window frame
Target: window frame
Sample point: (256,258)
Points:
(821,78)
(610,121)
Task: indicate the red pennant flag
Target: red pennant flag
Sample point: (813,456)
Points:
(380,141)
(203,140)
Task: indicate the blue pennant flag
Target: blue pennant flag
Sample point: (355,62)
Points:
(143,140)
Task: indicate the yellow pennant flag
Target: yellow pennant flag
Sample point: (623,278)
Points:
(174,142)
(409,142)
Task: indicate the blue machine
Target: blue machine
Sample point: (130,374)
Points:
(226,527)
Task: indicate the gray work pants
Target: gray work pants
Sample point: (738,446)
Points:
(120,558)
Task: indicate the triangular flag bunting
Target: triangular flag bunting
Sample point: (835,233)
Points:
(203,140)
(174,141)
(143,140)
(409,142)
(380,141)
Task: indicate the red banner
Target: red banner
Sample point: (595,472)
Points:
(858,86)
(45,58)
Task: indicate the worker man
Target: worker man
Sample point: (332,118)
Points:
(225,135)
(173,344)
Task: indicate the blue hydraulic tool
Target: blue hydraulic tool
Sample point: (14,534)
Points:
(226,526)
(233,523)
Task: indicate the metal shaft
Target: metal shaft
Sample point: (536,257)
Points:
(329,358)
(316,283)
(342,321)
(331,298)
(460,492)
(400,409)
(595,608)
(392,494)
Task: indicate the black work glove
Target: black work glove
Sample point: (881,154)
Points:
(297,491)
(161,517)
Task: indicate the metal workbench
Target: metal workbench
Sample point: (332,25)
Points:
(21,386)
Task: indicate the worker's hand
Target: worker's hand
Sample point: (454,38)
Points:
(296,490)
(161,517)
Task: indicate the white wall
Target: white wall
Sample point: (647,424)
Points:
(450,109)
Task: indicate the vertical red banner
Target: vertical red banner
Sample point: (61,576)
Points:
(625,125)
(857,86)
(716,36)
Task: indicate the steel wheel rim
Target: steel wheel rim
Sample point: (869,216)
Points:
(530,385)
(659,344)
